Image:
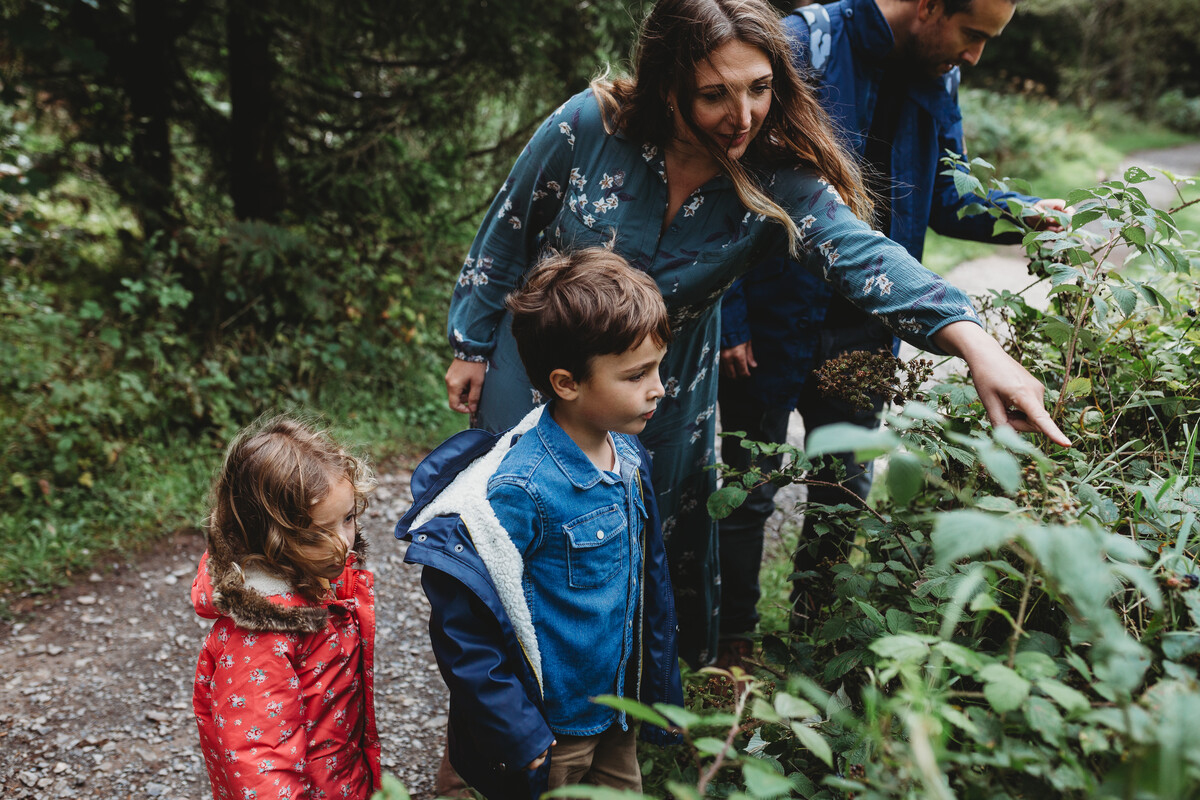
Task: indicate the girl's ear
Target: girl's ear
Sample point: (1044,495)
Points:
(564,385)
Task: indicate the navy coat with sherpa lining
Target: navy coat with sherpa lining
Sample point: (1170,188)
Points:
(481,629)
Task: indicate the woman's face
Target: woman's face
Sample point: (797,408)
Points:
(733,95)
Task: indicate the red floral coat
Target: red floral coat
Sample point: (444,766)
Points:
(284,688)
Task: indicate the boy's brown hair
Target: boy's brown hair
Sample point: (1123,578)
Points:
(275,471)
(577,305)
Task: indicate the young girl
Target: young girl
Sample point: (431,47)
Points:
(283,690)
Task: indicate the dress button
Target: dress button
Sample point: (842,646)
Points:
(599,534)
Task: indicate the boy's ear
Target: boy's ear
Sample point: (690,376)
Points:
(564,385)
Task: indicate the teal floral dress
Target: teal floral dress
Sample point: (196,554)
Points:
(576,185)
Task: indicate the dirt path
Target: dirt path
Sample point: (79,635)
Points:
(96,684)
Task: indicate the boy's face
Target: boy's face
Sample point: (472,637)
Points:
(622,390)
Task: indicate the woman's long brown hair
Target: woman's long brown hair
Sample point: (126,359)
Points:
(675,38)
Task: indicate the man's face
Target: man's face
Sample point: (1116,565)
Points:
(942,42)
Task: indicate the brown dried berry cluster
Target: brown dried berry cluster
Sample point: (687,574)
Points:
(1054,502)
(861,377)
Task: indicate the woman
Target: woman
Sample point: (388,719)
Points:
(711,158)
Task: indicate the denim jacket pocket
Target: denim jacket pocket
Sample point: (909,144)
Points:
(592,559)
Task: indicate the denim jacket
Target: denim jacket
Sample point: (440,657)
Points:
(778,305)
(579,531)
(481,626)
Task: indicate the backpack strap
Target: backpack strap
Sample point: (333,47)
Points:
(816,18)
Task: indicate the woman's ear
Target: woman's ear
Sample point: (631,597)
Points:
(564,385)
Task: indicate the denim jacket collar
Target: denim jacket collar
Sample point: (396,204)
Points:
(576,466)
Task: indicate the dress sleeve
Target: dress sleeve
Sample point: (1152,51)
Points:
(259,714)
(868,269)
(506,244)
(735,315)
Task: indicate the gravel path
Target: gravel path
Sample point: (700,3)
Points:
(96,684)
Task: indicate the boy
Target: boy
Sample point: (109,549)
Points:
(544,561)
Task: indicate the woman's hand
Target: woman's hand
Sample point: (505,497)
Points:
(464,382)
(1009,393)
(537,762)
(737,361)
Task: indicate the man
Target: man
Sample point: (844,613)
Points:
(887,72)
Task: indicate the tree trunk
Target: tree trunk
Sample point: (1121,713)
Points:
(149,102)
(255,128)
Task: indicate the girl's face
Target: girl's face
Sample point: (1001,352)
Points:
(733,96)
(336,512)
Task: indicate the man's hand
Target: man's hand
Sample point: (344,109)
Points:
(737,361)
(1053,215)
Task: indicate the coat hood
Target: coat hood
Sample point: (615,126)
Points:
(255,599)
(452,481)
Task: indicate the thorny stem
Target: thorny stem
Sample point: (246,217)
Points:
(718,762)
(1019,627)
(1081,316)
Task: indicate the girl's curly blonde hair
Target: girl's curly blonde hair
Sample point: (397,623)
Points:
(275,471)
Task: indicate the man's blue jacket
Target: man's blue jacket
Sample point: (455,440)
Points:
(480,626)
(778,305)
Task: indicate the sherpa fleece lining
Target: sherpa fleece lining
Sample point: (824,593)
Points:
(466,496)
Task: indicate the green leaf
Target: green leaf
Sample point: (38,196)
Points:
(764,782)
(1035,665)
(761,709)
(1126,299)
(967,660)
(1044,718)
(905,648)
(1002,466)
(905,477)
(958,719)
(1134,234)
(1178,645)
(1077,386)
(871,612)
(1084,217)
(791,707)
(723,501)
(712,746)
(1077,196)
(843,437)
(814,742)
(679,717)
(1003,687)
(1004,225)
(633,708)
(1072,701)
(959,534)
(1137,175)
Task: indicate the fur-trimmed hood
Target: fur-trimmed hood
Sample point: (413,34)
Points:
(257,600)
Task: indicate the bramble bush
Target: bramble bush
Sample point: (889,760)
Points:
(1010,619)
